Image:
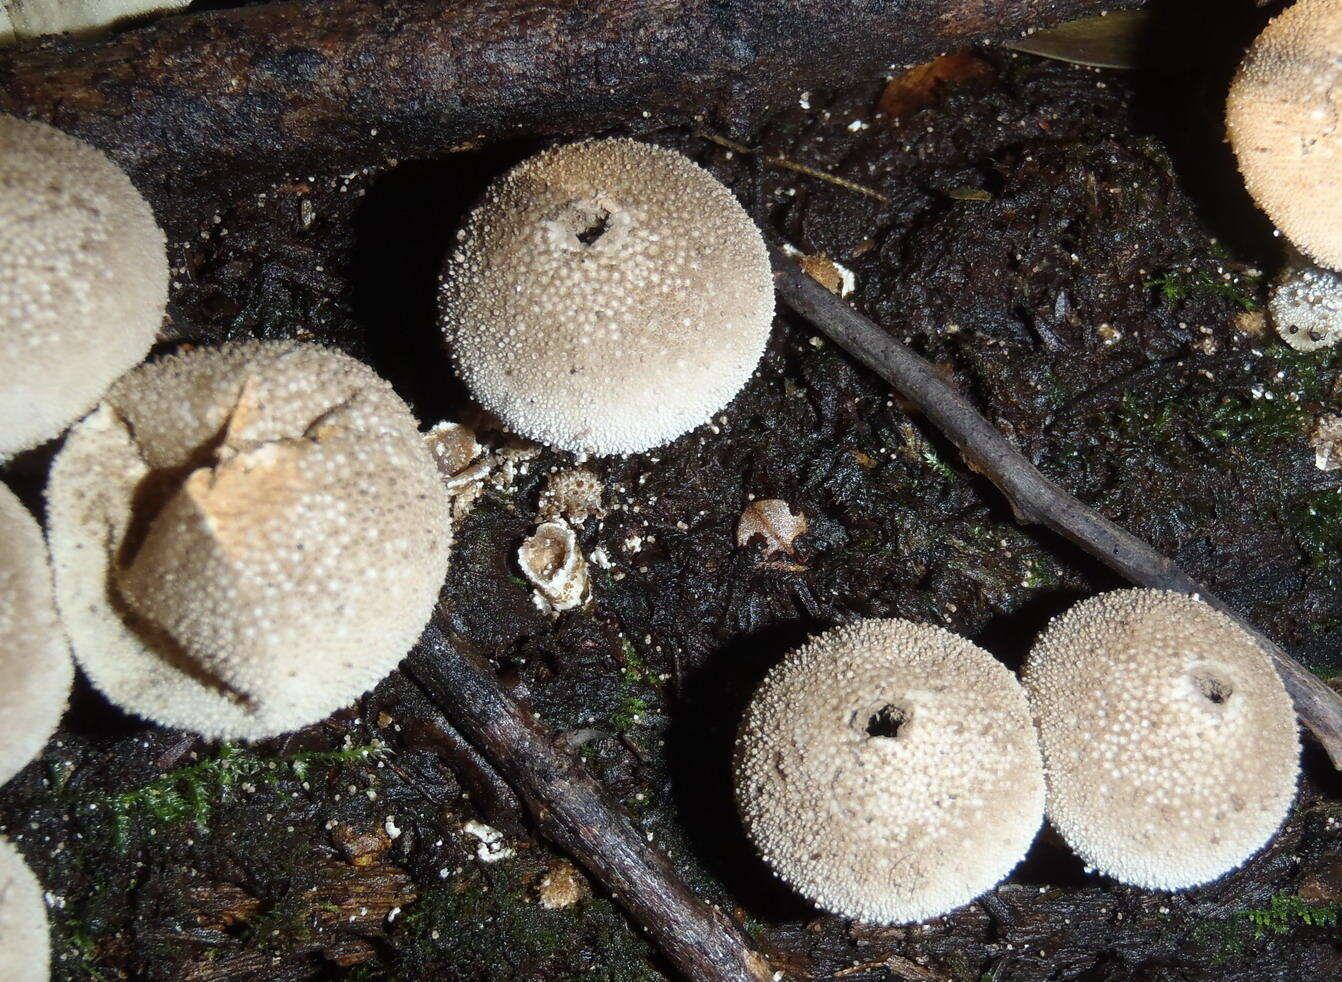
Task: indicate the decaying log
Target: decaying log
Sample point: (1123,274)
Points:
(340,84)
(1033,497)
(573,811)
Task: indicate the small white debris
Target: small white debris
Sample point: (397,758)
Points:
(492,846)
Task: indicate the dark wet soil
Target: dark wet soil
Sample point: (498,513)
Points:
(1029,229)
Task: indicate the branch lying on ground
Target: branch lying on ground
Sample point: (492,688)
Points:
(571,809)
(1033,497)
(198,100)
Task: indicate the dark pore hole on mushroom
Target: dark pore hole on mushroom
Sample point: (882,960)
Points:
(595,228)
(1213,688)
(885,722)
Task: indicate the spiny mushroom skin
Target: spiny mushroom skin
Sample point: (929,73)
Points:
(889,771)
(83,280)
(246,538)
(1306,306)
(1284,117)
(606,297)
(20,19)
(35,659)
(25,944)
(1170,745)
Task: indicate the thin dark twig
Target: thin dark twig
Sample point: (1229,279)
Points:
(1033,497)
(572,810)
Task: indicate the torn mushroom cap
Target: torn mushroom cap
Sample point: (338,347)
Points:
(25,946)
(889,771)
(83,280)
(1306,306)
(33,18)
(607,296)
(552,560)
(246,538)
(35,658)
(1169,742)
(1284,116)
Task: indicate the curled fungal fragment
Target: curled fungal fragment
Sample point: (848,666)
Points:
(35,658)
(246,537)
(889,771)
(1284,117)
(24,943)
(83,280)
(607,296)
(1169,743)
(552,560)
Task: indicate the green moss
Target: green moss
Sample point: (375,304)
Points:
(1286,912)
(1177,285)
(191,793)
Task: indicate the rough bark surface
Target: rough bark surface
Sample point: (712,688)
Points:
(204,98)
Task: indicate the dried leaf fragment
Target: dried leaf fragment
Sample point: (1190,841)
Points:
(774,522)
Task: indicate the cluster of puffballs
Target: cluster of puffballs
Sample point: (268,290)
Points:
(242,539)
(891,771)
(1284,120)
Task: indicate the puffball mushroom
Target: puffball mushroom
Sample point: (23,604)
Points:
(35,658)
(25,945)
(889,771)
(606,297)
(1283,117)
(245,538)
(83,280)
(1170,744)
(20,19)
(1306,306)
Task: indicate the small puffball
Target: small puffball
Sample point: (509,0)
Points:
(573,494)
(606,297)
(33,651)
(1306,306)
(83,280)
(1169,742)
(889,771)
(1282,116)
(25,945)
(245,538)
(21,19)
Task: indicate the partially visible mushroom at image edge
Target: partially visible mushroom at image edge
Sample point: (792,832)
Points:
(245,538)
(33,654)
(1170,744)
(83,280)
(23,19)
(606,297)
(889,771)
(24,943)
(1284,119)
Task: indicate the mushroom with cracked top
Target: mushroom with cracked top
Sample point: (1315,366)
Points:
(889,771)
(37,667)
(1169,742)
(247,537)
(83,280)
(1284,118)
(607,296)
